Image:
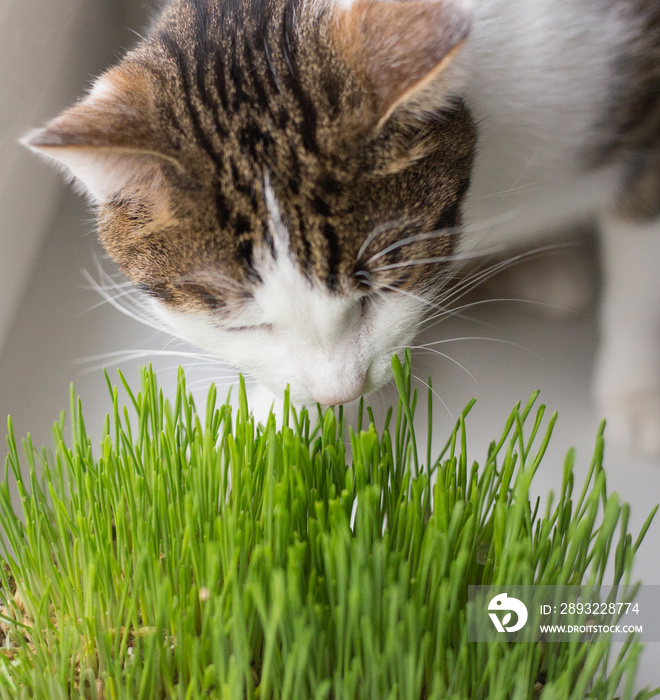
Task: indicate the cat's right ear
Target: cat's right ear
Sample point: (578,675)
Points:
(107,139)
(402,48)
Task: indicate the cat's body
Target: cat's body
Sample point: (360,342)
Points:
(570,132)
(542,89)
(287,179)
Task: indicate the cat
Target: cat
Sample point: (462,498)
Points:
(290,181)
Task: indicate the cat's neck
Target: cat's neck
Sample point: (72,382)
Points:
(538,70)
(537,82)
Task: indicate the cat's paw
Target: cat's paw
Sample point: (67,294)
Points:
(633,421)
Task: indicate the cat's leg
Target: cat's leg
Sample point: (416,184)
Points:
(627,381)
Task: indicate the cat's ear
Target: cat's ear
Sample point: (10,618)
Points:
(401,47)
(106,140)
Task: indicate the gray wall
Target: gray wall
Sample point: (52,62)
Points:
(49,51)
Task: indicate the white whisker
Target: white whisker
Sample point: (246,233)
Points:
(406,293)
(447,357)
(435,393)
(440,259)
(481,276)
(491,340)
(131,354)
(107,293)
(414,239)
(131,313)
(218,384)
(450,231)
(454,311)
(388,226)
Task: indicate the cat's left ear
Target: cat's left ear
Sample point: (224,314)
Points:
(401,48)
(107,140)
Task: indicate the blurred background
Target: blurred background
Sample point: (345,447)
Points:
(55,328)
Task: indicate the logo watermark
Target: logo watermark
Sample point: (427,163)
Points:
(563,613)
(503,602)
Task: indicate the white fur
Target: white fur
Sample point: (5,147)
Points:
(103,89)
(303,335)
(101,175)
(539,74)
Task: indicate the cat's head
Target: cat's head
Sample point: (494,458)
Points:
(283,178)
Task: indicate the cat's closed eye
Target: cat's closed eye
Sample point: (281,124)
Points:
(265,327)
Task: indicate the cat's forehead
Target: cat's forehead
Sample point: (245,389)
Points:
(287,297)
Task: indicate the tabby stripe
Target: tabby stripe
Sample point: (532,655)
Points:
(310,121)
(164,108)
(200,135)
(306,261)
(220,85)
(334,255)
(308,130)
(210,102)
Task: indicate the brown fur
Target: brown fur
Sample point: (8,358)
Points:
(398,48)
(223,92)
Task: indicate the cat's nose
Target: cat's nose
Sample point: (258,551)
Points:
(331,388)
(333,396)
(335,374)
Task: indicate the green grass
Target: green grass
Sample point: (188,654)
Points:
(206,556)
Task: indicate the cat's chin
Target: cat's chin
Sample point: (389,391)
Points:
(263,401)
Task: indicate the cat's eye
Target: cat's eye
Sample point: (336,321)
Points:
(260,327)
(366,302)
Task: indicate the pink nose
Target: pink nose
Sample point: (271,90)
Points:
(333,396)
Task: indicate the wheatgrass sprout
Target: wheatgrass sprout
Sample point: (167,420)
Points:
(209,556)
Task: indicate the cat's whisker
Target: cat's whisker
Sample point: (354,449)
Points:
(510,343)
(382,228)
(148,352)
(139,315)
(137,34)
(413,239)
(191,367)
(481,276)
(118,295)
(131,356)
(516,187)
(472,282)
(440,259)
(272,67)
(450,312)
(437,233)
(435,393)
(218,384)
(134,303)
(425,348)
(406,293)
(378,289)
